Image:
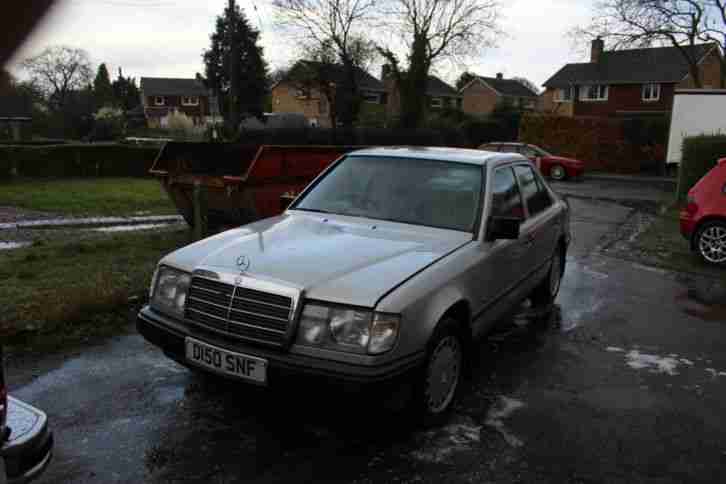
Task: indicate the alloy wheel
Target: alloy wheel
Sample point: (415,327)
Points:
(712,244)
(557,172)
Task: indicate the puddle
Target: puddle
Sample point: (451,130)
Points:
(440,444)
(130,228)
(703,299)
(14,245)
(90,222)
(500,411)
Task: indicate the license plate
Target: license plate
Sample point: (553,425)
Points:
(226,362)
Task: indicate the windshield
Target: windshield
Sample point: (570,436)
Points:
(421,192)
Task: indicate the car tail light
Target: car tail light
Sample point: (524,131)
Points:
(692,206)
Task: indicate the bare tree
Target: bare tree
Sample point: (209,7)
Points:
(59,71)
(643,23)
(336,26)
(434,30)
(528,84)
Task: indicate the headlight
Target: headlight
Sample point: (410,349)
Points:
(347,329)
(169,292)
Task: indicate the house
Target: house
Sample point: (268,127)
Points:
(628,82)
(15,116)
(439,95)
(482,94)
(293,96)
(160,96)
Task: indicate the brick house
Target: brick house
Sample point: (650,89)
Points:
(160,96)
(482,94)
(290,96)
(628,82)
(439,95)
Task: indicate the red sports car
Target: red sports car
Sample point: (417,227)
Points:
(703,221)
(555,167)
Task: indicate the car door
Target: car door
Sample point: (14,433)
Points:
(500,270)
(542,225)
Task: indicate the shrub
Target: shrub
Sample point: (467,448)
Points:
(76,160)
(700,154)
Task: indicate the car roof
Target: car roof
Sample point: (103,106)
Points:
(459,155)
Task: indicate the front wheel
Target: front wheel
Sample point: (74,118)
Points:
(558,172)
(711,243)
(441,376)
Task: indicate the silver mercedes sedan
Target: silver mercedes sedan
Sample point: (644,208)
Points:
(385,268)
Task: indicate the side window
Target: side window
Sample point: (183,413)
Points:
(506,199)
(528,152)
(509,149)
(535,195)
(489,147)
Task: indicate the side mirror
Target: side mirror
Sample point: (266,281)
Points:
(503,228)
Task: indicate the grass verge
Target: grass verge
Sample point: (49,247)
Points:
(662,245)
(59,293)
(87,196)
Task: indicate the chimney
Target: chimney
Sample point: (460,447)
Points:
(500,75)
(385,71)
(597,46)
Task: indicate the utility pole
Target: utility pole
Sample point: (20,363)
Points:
(234,87)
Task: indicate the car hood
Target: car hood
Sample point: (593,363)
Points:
(563,160)
(338,259)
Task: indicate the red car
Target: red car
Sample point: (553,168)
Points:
(555,167)
(703,221)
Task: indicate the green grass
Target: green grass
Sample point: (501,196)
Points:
(87,196)
(58,292)
(663,245)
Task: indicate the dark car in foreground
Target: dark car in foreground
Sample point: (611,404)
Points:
(26,442)
(555,167)
(703,220)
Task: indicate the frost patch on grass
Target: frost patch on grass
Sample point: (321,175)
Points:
(500,411)
(440,444)
(654,363)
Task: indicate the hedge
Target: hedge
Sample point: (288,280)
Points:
(700,154)
(76,160)
(617,145)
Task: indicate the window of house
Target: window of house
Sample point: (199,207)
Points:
(159,100)
(565,94)
(190,101)
(371,97)
(436,102)
(594,92)
(651,92)
(302,93)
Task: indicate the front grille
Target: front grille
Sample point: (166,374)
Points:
(238,312)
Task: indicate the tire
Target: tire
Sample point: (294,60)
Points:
(546,292)
(558,172)
(440,378)
(710,243)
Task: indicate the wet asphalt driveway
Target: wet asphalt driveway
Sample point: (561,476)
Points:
(627,383)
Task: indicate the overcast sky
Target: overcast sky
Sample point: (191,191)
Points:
(165,38)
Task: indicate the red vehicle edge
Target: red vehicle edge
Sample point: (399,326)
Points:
(703,219)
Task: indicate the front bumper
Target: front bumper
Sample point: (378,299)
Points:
(687,225)
(29,449)
(169,335)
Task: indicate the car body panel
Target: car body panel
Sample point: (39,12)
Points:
(413,271)
(707,201)
(29,447)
